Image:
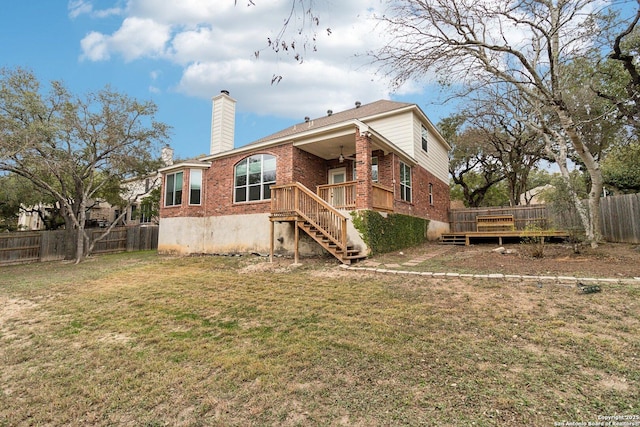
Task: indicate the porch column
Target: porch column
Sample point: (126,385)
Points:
(364,189)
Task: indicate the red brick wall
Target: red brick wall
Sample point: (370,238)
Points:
(292,164)
(295,165)
(183,209)
(364,191)
(420,206)
(308,169)
(385,169)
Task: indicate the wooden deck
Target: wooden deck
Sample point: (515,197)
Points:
(465,238)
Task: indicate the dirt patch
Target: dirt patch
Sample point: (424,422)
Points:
(11,308)
(613,260)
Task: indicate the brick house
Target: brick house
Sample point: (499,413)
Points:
(294,190)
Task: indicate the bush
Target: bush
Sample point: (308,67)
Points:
(532,243)
(391,232)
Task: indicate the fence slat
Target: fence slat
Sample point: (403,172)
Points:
(619,217)
(30,246)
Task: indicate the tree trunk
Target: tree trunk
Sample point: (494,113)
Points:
(592,227)
(82,216)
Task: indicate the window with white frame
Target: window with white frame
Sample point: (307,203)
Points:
(254,177)
(195,186)
(173,189)
(425,135)
(431,194)
(405,182)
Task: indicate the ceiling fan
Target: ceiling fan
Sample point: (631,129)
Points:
(342,157)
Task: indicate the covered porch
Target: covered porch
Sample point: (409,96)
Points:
(355,167)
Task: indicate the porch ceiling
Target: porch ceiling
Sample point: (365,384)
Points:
(329,148)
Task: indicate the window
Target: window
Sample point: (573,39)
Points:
(134,213)
(145,213)
(195,186)
(254,177)
(431,194)
(173,191)
(405,182)
(425,135)
(374,170)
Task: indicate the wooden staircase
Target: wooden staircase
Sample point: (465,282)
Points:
(346,254)
(321,221)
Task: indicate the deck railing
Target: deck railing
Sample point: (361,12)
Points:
(297,200)
(382,198)
(340,196)
(343,196)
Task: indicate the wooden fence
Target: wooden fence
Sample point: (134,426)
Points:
(33,246)
(619,216)
(464,220)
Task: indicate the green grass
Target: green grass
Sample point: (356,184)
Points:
(137,339)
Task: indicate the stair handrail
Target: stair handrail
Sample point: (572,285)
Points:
(337,234)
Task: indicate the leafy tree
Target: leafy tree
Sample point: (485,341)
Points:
(618,76)
(150,207)
(522,45)
(9,204)
(621,168)
(495,195)
(74,149)
(499,116)
(473,167)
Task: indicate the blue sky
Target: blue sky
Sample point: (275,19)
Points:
(182,53)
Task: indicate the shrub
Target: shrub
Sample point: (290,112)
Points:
(386,233)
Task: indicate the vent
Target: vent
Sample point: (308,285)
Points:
(306,119)
(329,112)
(358,104)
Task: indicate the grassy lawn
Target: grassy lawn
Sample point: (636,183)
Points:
(138,339)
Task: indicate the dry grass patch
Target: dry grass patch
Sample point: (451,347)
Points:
(137,339)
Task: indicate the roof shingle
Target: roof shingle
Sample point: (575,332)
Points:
(362,112)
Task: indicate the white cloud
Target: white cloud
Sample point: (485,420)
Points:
(95,47)
(140,37)
(214,43)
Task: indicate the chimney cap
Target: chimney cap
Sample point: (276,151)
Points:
(358,104)
(329,112)
(306,119)
(224,91)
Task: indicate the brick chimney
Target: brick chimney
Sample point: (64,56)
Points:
(167,155)
(223,122)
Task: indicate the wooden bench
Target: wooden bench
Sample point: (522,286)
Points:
(488,223)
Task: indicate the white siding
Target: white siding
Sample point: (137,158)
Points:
(436,160)
(398,130)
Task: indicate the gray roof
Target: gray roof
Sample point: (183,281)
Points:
(362,112)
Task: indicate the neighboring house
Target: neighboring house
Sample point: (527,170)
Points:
(536,195)
(384,156)
(30,219)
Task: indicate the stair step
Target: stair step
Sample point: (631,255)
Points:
(453,239)
(346,256)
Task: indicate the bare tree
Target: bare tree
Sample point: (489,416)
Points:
(523,44)
(298,34)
